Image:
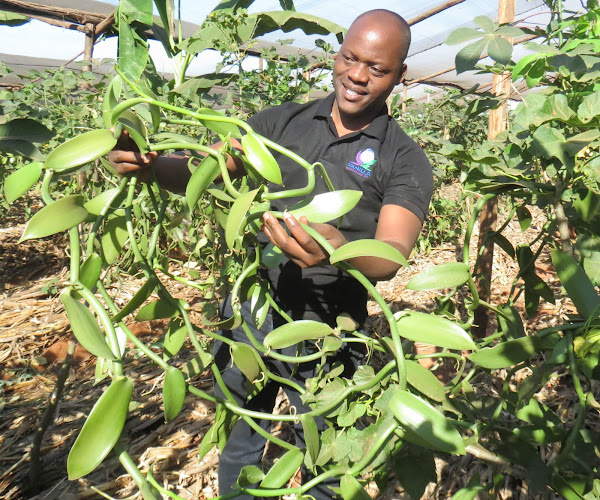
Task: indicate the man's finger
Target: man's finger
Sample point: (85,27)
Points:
(305,240)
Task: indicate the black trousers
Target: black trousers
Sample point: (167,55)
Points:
(245,446)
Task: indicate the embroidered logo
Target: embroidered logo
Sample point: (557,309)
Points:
(363,164)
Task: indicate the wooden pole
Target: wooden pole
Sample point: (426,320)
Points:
(489,214)
(432,12)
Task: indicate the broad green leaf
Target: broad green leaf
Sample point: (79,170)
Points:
(136,128)
(559,104)
(12,19)
(511,352)
(589,107)
(59,216)
(267,22)
(435,330)
(368,248)
(509,322)
(311,436)
(174,389)
(244,358)
(467,57)
(283,469)
(25,129)
(331,343)
(500,50)
(549,142)
(21,180)
(261,158)
(137,300)
(298,331)
(351,489)
(524,216)
(461,35)
(80,150)
(272,256)
(423,420)
(85,328)
(578,286)
(504,244)
(111,99)
(523,64)
(415,470)
(424,381)
(203,176)
(132,54)
(326,207)
(259,305)
(345,323)
(591,265)
(577,142)
(101,429)
(111,197)
(486,23)
(193,87)
(174,338)
(21,148)
(197,364)
(237,217)
(113,238)
(509,31)
(250,474)
(220,195)
(223,128)
(90,271)
(159,309)
(449,275)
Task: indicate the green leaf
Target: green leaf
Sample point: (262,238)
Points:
(283,469)
(415,470)
(25,129)
(486,23)
(449,275)
(259,305)
(509,31)
(12,19)
(132,54)
(272,256)
(174,338)
(136,128)
(435,330)
(589,107)
(223,128)
(578,286)
(424,381)
(59,216)
(559,104)
(524,216)
(80,150)
(90,271)
(250,474)
(367,248)
(194,87)
(174,390)
(467,58)
(21,148)
(85,328)
(511,352)
(351,489)
(197,364)
(101,429)
(111,99)
(261,158)
(237,216)
(113,238)
(159,309)
(21,180)
(504,244)
(203,176)
(137,300)
(267,22)
(326,207)
(311,436)
(549,142)
(509,322)
(298,331)
(461,35)
(244,358)
(500,50)
(112,197)
(423,420)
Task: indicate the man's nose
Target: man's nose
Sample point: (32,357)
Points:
(359,73)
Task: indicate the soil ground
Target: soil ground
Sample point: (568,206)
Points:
(34,335)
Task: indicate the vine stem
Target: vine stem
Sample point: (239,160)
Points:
(146,489)
(470,226)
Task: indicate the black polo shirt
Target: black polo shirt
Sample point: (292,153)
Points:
(381,161)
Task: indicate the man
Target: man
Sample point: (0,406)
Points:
(361,148)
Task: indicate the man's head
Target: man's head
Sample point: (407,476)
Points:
(369,65)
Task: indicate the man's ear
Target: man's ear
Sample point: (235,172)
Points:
(402,75)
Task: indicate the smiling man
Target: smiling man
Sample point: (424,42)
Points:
(362,148)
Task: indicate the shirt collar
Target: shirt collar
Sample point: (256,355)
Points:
(377,128)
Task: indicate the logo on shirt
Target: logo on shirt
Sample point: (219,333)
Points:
(363,163)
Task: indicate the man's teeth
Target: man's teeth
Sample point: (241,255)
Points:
(351,92)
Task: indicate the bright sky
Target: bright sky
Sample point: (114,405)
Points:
(42,40)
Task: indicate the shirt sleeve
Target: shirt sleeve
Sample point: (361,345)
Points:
(410,183)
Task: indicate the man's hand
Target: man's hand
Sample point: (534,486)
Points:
(126,157)
(299,246)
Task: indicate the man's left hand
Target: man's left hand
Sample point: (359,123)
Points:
(298,245)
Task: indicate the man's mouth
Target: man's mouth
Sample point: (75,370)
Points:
(352,95)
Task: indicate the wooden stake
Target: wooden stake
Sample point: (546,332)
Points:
(489,214)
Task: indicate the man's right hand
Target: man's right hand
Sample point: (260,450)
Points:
(126,157)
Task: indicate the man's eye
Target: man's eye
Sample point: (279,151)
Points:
(377,72)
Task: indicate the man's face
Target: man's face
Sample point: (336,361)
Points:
(366,70)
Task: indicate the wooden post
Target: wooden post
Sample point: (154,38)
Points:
(489,214)
(404,97)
